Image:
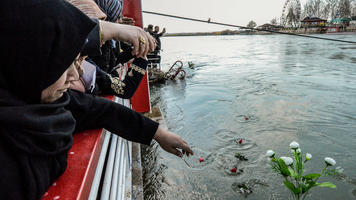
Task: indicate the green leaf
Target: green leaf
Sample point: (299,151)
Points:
(311,176)
(326,184)
(310,184)
(292,172)
(283,167)
(303,187)
(290,186)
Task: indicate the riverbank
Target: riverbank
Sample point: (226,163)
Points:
(348,30)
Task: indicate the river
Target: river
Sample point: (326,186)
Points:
(267,90)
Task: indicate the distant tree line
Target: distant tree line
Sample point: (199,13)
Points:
(329,9)
(325,9)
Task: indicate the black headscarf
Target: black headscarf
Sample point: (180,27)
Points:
(40,40)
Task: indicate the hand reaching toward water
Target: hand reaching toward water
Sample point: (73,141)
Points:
(171,142)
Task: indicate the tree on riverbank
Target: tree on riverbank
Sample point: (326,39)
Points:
(345,8)
(332,8)
(292,17)
(274,21)
(353,10)
(252,24)
(316,8)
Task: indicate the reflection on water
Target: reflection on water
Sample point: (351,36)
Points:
(266,91)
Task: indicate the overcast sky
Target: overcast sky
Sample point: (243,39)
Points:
(238,12)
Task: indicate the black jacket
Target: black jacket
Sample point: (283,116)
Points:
(108,84)
(35,138)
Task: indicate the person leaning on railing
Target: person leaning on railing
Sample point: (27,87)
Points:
(93,79)
(39,113)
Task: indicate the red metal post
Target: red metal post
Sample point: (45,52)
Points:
(141,100)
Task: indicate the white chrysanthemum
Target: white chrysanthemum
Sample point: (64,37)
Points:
(270,153)
(298,150)
(287,160)
(330,161)
(339,170)
(308,156)
(294,145)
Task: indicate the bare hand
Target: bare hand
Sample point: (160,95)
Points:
(171,142)
(127,20)
(142,42)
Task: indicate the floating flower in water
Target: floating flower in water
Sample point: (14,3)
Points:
(246,118)
(270,153)
(240,141)
(287,160)
(294,145)
(240,156)
(201,159)
(330,161)
(233,170)
(339,170)
(308,156)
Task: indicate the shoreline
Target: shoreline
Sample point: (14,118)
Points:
(229,32)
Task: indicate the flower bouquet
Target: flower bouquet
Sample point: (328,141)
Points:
(292,171)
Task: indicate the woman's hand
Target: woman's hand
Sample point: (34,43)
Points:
(142,41)
(171,142)
(127,20)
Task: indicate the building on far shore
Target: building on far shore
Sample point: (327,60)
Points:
(353,21)
(270,27)
(338,24)
(309,22)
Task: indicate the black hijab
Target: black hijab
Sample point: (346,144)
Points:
(40,40)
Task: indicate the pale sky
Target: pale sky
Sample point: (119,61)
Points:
(238,12)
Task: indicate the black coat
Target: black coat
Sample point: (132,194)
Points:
(108,84)
(42,40)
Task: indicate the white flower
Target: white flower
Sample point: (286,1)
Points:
(294,145)
(308,156)
(287,160)
(298,150)
(330,161)
(339,170)
(270,153)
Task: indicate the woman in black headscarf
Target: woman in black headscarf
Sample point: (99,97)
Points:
(37,114)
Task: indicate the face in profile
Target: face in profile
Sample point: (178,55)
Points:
(57,89)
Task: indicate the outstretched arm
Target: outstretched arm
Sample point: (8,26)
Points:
(92,112)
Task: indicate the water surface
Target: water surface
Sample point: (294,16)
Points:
(289,89)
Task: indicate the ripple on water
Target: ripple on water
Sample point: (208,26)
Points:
(338,56)
(246,118)
(228,141)
(194,161)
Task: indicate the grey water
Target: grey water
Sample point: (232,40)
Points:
(288,89)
